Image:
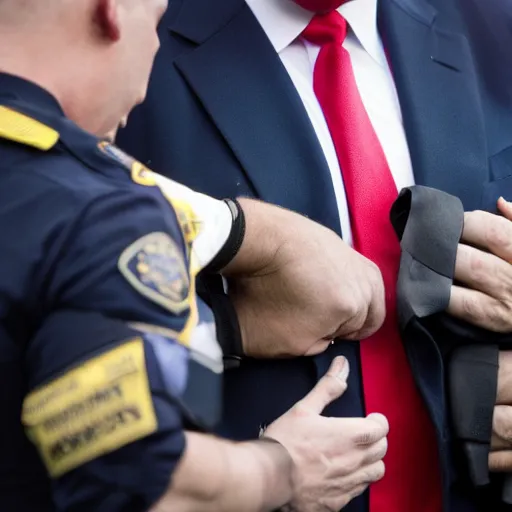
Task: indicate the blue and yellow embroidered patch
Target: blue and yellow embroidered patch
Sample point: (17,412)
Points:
(139,173)
(155,267)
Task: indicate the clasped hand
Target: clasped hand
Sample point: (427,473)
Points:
(483,297)
(312,289)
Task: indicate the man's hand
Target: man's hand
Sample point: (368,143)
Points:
(500,459)
(483,269)
(297,285)
(484,298)
(335,458)
(318,464)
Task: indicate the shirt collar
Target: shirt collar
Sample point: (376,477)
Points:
(284,20)
(18,88)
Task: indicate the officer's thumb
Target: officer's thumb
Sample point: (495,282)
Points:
(330,387)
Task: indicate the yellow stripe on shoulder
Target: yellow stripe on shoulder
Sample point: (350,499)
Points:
(21,128)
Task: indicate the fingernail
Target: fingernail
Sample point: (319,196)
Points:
(343,374)
(340,368)
(337,364)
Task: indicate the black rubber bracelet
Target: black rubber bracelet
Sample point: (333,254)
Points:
(233,243)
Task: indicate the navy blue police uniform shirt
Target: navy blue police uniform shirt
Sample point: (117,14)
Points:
(93,414)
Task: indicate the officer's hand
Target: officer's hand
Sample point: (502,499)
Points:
(313,288)
(500,459)
(335,458)
(483,269)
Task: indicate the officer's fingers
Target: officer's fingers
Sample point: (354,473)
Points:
(490,232)
(370,312)
(355,320)
(331,386)
(501,462)
(479,309)
(370,430)
(380,419)
(366,475)
(375,315)
(375,452)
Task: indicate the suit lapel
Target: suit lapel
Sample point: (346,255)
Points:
(241,82)
(439,98)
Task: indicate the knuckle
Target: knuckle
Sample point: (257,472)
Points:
(503,426)
(382,448)
(365,437)
(379,418)
(497,234)
(375,472)
(375,273)
(380,470)
(499,316)
(350,465)
(477,265)
(471,308)
(352,306)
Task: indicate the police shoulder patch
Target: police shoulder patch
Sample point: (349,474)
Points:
(91,410)
(155,267)
(25,130)
(139,173)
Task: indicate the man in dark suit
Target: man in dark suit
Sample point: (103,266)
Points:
(329,109)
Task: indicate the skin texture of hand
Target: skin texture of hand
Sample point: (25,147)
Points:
(314,287)
(500,459)
(484,271)
(335,458)
(484,299)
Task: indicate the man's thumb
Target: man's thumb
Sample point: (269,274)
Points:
(331,386)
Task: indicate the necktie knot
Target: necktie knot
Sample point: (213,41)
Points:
(326,28)
(320,5)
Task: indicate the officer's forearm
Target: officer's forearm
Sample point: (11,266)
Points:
(266,229)
(216,475)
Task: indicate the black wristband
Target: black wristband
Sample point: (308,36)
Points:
(233,243)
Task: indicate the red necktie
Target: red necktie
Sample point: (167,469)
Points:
(320,5)
(412,481)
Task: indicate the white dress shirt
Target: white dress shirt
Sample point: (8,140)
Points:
(283,21)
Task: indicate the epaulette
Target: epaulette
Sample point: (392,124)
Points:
(25,130)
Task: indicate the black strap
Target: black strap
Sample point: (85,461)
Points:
(210,288)
(233,243)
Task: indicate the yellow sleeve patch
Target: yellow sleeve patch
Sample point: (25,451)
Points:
(92,410)
(20,128)
(190,224)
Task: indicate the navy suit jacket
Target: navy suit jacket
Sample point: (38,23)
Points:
(222,116)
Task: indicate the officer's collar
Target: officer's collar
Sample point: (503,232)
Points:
(18,88)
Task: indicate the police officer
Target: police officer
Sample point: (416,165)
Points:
(109,358)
